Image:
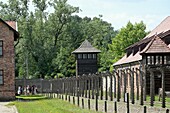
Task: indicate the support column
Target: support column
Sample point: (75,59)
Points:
(144,81)
(151,88)
(137,85)
(163,87)
(141,86)
(111,86)
(124,76)
(132,85)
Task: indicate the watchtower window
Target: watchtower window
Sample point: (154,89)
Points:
(89,56)
(84,56)
(94,56)
(168,59)
(79,56)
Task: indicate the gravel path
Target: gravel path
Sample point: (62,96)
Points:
(7,109)
(121,106)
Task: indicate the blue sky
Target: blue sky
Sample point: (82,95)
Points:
(119,12)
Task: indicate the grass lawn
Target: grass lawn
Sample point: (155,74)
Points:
(158,103)
(48,106)
(30,97)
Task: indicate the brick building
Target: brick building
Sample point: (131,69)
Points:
(144,69)
(8,35)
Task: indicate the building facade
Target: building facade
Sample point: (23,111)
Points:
(144,69)
(7,61)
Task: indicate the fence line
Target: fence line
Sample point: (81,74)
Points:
(100,86)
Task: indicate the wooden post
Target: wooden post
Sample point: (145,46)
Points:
(141,86)
(118,87)
(82,103)
(124,84)
(132,86)
(73,100)
(111,87)
(163,88)
(96,101)
(101,88)
(78,101)
(127,96)
(144,92)
(105,106)
(151,88)
(89,103)
(106,88)
(145,109)
(137,85)
(85,87)
(167,110)
(115,107)
(89,87)
(92,78)
(69,98)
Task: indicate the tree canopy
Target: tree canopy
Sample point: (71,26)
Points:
(48,38)
(127,36)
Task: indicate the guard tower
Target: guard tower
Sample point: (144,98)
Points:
(86,58)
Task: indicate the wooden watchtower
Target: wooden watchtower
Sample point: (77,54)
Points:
(86,58)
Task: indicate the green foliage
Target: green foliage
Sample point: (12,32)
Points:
(127,36)
(47,39)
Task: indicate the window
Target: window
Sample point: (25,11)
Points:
(79,56)
(148,60)
(84,56)
(89,56)
(1,77)
(94,56)
(1,47)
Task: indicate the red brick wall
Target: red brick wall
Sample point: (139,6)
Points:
(7,90)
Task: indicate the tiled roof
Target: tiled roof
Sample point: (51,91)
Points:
(86,47)
(163,27)
(131,58)
(13,24)
(16,34)
(156,45)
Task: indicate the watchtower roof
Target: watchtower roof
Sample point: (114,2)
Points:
(156,45)
(86,47)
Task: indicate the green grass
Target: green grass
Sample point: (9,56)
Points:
(30,97)
(48,106)
(158,103)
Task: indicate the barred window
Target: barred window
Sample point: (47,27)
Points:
(79,56)
(1,47)
(94,56)
(1,77)
(89,56)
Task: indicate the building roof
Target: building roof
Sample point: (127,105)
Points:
(156,45)
(162,29)
(86,47)
(12,26)
(129,59)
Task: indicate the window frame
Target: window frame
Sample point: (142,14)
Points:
(1,46)
(2,76)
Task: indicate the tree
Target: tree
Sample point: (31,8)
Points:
(126,37)
(47,39)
